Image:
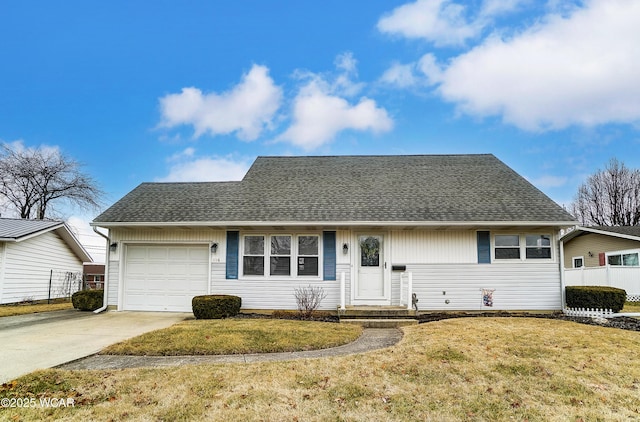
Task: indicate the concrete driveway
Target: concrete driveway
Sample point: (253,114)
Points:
(38,341)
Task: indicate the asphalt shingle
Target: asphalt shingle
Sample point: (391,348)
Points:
(414,188)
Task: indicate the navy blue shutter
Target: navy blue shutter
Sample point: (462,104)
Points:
(233,243)
(484,248)
(329,255)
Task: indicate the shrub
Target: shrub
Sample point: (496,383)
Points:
(308,300)
(595,297)
(87,300)
(215,306)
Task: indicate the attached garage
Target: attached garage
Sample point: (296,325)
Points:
(164,277)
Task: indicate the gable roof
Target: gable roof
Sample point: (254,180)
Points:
(623,232)
(19,230)
(347,189)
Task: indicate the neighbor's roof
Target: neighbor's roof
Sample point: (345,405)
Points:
(343,189)
(623,232)
(18,230)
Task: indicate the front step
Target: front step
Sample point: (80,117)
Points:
(379,323)
(378,316)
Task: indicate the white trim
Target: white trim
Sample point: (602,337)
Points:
(621,252)
(522,245)
(3,265)
(293,269)
(576,229)
(573,261)
(472,224)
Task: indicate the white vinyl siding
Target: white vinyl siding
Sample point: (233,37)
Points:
(433,247)
(28,264)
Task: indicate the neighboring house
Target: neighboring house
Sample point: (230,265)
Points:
(462,232)
(39,259)
(603,256)
(93,276)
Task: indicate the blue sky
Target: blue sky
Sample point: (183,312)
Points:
(186,91)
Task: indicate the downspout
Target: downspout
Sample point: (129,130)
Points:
(106,274)
(562,292)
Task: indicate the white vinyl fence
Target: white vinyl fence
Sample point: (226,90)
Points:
(627,278)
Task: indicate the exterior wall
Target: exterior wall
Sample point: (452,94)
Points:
(596,244)
(439,260)
(28,264)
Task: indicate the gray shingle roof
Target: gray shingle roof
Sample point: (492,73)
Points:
(628,230)
(13,228)
(413,188)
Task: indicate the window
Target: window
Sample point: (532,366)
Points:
(507,246)
(538,246)
(253,258)
(281,252)
(280,255)
(308,255)
(624,259)
(578,262)
(522,246)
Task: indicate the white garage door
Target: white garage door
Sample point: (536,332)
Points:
(164,278)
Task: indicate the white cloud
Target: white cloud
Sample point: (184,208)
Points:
(439,21)
(577,69)
(206,169)
(247,109)
(318,116)
(401,75)
(320,111)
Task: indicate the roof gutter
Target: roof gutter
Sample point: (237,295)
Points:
(106,273)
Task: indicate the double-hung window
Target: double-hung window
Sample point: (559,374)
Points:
(507,246)
(286,255)
(253,258)
(521,247)
(280,258)
(538,246)
(308,255)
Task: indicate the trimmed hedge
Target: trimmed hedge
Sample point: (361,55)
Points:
(215,306)
(595,297)
(87,300)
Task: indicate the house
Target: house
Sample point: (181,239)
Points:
(39,259)
(93,276)
(462,232)
(603,256)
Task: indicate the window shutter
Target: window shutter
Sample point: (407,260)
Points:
(329,255)
(601,259)
(233,243)
(484,248)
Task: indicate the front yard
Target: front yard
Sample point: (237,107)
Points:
(12,310)
(457,369)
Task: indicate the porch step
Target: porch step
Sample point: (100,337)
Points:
(377,312)
(380,323)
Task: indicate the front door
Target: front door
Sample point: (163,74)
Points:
(370,286)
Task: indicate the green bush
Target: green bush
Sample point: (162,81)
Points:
(87,300)
(595,297)
(215,306)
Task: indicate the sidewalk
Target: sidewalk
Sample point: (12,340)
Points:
(371,339)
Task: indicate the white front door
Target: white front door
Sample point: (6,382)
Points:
(370,285)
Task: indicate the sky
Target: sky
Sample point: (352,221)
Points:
(142,91)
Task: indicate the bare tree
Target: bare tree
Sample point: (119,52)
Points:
(609,197)
(33,179)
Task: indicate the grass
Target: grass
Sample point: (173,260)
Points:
(12,310)
(467,369)
(631,307)
(233,336)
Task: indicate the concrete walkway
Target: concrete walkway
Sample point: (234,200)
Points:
(371,339)
(43,340)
